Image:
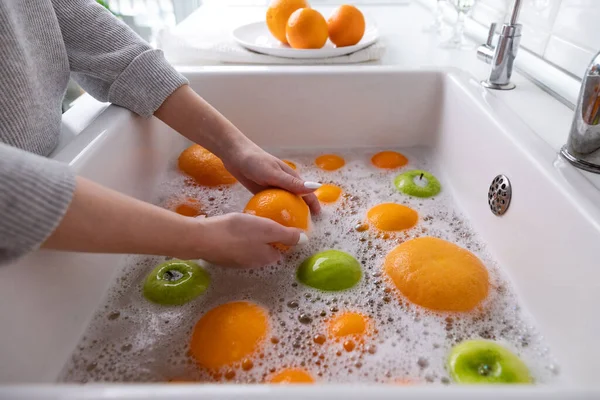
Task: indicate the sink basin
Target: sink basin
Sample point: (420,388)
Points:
(545,242)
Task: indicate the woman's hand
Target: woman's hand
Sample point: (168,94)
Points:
(101,220)
(238,240)
(258,170)
(194,118)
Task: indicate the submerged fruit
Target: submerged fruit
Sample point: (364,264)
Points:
(392,217)
(291,375)
(437,274)
(330,270)
(330,162)
(486,362)
(389,160)
(328,193)
(229,333)
(175,282)
(418,183)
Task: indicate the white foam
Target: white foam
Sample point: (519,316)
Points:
(146,342)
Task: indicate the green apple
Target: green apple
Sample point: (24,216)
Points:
(486,362)
(175,283)
(418,183)
(330,270)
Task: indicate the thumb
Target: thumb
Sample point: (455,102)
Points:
(277,233)
(293,183)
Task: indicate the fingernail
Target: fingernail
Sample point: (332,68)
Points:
(303,239)
(312,185)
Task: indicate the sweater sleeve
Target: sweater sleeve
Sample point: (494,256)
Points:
(112,62)
(35,193)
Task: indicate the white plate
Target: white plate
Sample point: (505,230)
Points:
(256,37)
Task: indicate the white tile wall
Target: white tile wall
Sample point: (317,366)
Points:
(564,32)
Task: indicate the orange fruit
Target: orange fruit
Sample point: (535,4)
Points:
(437,274)
(278,13)
(348,324)
(389,160)
(290,164)
(330,162)
(190,208)
(228,333)
(306,29)
(291,375)
(328,193)
(206,168)
(281,206)
(392,217)
(346,26)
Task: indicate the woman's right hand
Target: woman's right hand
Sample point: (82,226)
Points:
(239,240)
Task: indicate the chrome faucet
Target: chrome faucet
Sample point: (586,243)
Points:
(584,137)
(502,57)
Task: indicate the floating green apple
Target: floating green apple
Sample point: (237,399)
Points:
(330,270)
(418,183)
(486,362)
(175,282)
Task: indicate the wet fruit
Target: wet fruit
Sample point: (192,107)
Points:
(486,362)
(330,270)
(418,183)
(175,282)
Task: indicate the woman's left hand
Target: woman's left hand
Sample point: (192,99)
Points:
(258,170)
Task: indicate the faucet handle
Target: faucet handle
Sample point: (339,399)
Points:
(492,31)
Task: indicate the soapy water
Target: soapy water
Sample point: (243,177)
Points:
(133,340)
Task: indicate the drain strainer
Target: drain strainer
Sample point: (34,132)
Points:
(499,195)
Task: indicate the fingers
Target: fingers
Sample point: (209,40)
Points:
(291,181)
(313,203)
(272,232)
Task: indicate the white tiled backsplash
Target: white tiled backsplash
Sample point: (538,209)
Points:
(564,32)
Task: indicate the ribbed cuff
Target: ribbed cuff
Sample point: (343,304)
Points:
(145,84)
(34,195)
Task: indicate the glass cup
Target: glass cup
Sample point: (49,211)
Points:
(436,25)
(458,40)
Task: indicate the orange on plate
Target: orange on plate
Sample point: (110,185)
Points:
(329,162)
(346,26)
(281,206)
(278,13)
(389,160)
(206,168)
(306,29)
(229,333)
(291,375)
(437,274)
(328,193)
(392,217)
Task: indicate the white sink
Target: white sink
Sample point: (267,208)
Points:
(546,243)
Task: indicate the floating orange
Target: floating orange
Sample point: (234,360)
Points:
(328,193)
(291,375)
(389,160)
(437,274)
(330,162)
(229,333)
(392,217)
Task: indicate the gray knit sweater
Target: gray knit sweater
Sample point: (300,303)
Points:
(42,43)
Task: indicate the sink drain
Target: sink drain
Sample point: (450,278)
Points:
(499,195)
